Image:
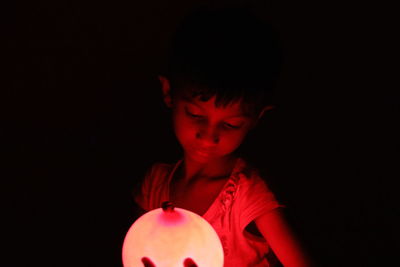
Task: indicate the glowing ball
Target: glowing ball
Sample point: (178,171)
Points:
(171,237)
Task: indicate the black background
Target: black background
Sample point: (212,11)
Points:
(82,118)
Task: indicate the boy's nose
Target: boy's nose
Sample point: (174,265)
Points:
(208,136)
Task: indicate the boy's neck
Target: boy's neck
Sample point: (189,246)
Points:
(221,167)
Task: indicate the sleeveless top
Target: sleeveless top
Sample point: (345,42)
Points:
(244,197)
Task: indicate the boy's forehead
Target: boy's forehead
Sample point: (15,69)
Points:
(236,106)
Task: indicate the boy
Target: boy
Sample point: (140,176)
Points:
(222,70)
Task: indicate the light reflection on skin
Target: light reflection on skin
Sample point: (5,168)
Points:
(207,132)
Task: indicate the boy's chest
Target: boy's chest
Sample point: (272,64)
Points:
(196,197)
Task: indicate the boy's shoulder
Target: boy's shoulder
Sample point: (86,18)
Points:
(252,174)
(161,166)
(247,169)
(160,169)
(255,182)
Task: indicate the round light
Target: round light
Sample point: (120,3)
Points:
(171,237)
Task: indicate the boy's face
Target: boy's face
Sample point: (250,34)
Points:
(207,132)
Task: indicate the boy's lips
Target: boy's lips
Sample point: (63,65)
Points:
(204,152)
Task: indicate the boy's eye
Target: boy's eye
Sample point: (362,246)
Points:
(193,114)
(232,126)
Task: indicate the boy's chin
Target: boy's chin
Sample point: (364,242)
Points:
(201,157)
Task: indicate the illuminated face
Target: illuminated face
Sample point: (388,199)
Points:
(207,132)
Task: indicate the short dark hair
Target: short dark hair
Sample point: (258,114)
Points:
(227,53)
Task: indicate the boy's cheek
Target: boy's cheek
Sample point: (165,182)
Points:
(229,142)
(186,129)
(185,134)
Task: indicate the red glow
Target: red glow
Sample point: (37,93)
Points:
(171,218)
(172,237)
(189,263)
(207,132)
(147,262)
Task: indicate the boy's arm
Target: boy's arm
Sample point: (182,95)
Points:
(282,240)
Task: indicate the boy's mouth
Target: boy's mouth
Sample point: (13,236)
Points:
(204,152)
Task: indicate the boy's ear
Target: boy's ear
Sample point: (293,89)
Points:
(166,90)
(266,108)
(262,112)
